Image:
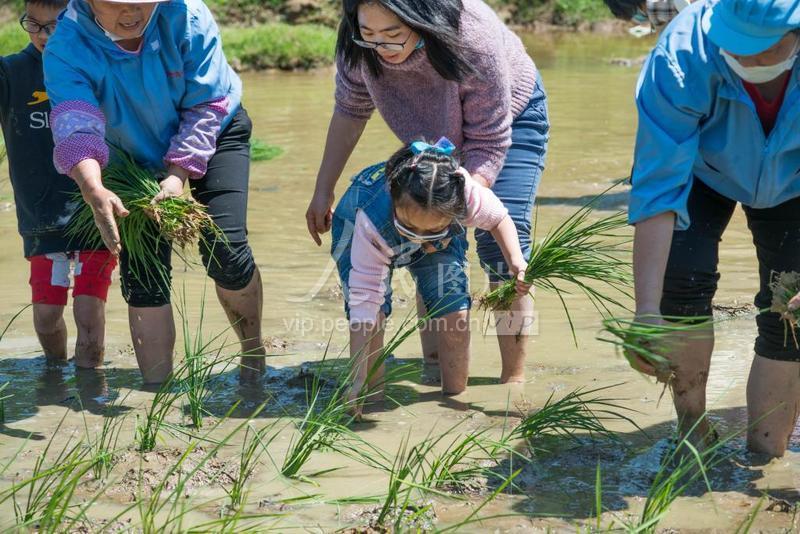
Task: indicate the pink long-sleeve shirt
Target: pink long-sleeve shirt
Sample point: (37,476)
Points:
(371,256)
(476,114)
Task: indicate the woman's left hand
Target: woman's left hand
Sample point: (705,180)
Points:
(172,184)
(522,287)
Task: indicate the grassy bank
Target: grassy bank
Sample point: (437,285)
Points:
(281,34)
(519,12)
(12,39)
(279,45)
(274,45)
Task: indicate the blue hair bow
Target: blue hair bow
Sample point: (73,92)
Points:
(442,146)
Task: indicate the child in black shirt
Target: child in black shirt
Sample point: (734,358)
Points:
(45,203)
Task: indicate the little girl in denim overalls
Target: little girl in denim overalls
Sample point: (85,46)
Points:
(412,212)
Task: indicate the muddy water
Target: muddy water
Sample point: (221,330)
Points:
(592,136)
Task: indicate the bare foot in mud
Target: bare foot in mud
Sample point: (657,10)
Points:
(431,374)
(374,404)
(700,444)
(251,369)
(431,359)
(513,379)
(355,400)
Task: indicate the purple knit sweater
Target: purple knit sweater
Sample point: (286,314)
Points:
(476,114)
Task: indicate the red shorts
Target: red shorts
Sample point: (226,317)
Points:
(51,273)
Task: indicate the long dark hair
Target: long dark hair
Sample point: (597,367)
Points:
(437,22)
(429,179)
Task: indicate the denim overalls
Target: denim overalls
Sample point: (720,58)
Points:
(441,276)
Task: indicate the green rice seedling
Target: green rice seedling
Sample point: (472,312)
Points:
(473,518)
(103,447)
(679,469)
(200,362)
(648,341)
(3,403)
(784,287)
(401,477)
(239,523)
(148,428)
(324,427)
(464,459)
(13,318)
(179,220)
(261,151)
(45,499)
(421,470)
(598,498)
(253,448)
(578,411)
(747,524)
(166,508)
(581,253)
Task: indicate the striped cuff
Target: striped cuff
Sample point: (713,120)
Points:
(77,148)
(196,141)
(79,131)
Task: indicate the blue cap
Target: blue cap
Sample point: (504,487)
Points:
(747,27)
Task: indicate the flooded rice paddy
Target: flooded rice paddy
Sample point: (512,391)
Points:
(593,118)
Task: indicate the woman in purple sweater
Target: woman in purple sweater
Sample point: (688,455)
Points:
(449,68)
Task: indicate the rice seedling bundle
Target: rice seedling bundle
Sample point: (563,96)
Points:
(179,220)
(784,287)
(579,252)
(582,410)
(648,341)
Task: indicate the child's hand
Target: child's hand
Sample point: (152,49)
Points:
(521,286)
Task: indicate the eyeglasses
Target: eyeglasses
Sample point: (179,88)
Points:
(391,47)
(33,27)
(420,238)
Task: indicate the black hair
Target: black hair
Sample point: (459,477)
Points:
(58,4)
(623,9)
(429,179)
(437,22)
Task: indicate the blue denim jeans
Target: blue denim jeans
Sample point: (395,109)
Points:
(518,181)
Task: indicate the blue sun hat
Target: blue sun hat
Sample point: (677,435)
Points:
(748,27)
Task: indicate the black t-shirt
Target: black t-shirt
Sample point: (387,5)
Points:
(44,198)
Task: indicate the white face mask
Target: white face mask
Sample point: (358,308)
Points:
(761,74)
(116,38)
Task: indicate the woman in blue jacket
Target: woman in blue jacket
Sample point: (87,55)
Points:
(719,124)
(150,77)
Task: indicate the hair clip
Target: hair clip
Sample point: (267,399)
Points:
(442,146)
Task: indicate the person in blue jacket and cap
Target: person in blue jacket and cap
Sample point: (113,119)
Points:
(151,78)
(719,124)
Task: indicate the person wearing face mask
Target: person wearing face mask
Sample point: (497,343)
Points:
(151,78)
(719,104)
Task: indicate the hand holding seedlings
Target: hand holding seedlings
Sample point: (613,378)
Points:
(172,184)
(785,289)
(104,203)
(635,357)
(521,285)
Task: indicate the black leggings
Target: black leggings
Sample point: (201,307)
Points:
(691,277)
(224,191)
